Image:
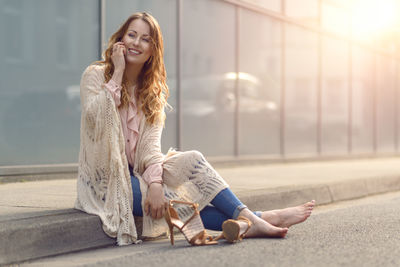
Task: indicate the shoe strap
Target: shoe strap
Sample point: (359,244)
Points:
(249,224)
(203,237)
(218,237)
(194,207)
(196,213)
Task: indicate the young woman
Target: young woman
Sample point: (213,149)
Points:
(122,171)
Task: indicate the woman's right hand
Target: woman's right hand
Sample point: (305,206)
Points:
(118,56)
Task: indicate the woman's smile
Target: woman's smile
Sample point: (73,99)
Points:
(133,51)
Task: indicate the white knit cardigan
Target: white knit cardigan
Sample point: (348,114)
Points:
(104,185)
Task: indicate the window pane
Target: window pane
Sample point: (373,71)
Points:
(301,73)
(362,100)
(385,106)
(164,11)
(334,96)
(46,46)
(345,4)
(305,11)
(335,19)
(274,5)
(208,59)
(259,84)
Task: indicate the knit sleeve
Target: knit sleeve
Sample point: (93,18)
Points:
(95,98)
(90,89)
(115,90)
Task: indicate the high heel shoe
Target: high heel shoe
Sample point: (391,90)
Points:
(193,229)
(232,230)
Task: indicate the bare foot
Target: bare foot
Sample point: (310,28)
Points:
(259,227)
(289,216)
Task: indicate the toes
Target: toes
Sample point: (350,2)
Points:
(308,207)
(283,232)
(310,204)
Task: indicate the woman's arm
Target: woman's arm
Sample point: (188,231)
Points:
(153,174)
(151,163)
(91,90)
(114,84)
(115,90)
(150,147)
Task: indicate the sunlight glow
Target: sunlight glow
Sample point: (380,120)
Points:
(374,17)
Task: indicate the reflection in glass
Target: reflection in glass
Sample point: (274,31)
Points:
(12,13)
(274,5)
(49,44)
(334,96)
(305,11)
(301,73)
(344,4)
(165,13)
(385,106)
(335,19)
(259,84)
(376,21)
(208,58)
(362,100)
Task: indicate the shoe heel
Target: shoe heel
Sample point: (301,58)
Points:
(170,225)
(171,233)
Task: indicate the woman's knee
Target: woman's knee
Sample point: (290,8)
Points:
(196,155)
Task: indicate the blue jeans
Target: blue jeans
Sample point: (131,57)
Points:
(224,206)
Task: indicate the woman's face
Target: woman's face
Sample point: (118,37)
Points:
(137,41)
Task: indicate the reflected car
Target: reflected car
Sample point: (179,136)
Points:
(215,94)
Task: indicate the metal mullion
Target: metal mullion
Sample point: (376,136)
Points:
(350,95)
(319,86)
(283,88)
(102,23)
(179,5)
(236,89)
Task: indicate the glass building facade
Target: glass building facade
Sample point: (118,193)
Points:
(263,78)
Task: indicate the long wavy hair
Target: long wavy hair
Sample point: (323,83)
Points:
(151,90)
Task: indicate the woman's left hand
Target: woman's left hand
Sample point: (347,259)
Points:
(155,203)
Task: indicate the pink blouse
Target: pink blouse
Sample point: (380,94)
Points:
(130,120)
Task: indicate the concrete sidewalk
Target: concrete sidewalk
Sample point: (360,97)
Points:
(37,219)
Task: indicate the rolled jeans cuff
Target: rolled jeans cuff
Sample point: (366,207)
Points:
(258,213)
(238,210)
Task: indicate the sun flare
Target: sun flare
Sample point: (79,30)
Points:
(372,17)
